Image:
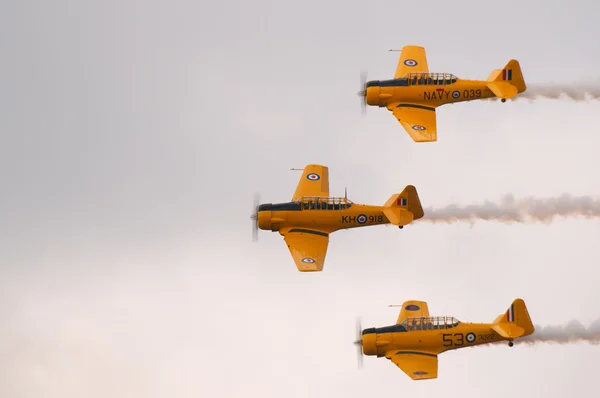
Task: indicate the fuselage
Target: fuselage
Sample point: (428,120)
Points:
(326,216)
(426,89)
(431,338)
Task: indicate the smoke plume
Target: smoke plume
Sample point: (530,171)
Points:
(511,210)
(578,92)
(572,332)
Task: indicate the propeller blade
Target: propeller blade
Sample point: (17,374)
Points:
(363,91)
(358,344)
(254,217)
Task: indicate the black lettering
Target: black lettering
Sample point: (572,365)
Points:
(352,218)
(427,95)
(380,219)
(478,93)
(449,341)
(466,94)
(344,219)
(447,94)
(371,218)
(461,341)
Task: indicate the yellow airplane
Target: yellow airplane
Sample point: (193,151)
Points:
(416,340)
(312,215)
(414,93)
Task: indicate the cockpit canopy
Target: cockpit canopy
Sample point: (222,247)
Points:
(429,323)
(324,203)
(435,79)
(416,79)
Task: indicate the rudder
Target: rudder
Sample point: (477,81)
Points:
(507,82)
(408,200)
(515,322)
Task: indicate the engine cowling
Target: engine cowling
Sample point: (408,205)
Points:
(264,220)
(378,96)
(369,342)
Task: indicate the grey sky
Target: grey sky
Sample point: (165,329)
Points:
(134,135)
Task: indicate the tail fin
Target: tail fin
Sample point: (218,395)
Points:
(515,322)
(507,82)
(408,200)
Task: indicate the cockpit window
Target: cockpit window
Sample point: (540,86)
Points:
(430,79)
(322,203)
(429,323)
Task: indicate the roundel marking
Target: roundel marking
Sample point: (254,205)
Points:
(420,373)
(410,62)
(361,219)
(455,94)
(470,337)
(412,307)
(313,177)
(418,127)
(308,260)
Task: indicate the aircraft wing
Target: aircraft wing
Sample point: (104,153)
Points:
(413,308)
(412,59)
(314,182)
(419,121)
(417,365)
(307,246)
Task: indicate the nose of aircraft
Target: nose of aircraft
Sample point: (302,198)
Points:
(264,220)
(372,95)
(364,342)
(368,339)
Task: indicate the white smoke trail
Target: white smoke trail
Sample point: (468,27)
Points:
(578,92)
(511,210)
(572,332)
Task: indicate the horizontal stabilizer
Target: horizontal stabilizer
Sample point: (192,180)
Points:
(508,330)
(503,90)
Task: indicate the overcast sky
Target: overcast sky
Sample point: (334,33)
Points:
(134,134)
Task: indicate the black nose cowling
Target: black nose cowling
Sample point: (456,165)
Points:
(289,206)
(265,206)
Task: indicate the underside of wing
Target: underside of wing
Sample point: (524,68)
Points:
(419,121)
(308,247)
(412,60)
(314,182)
(417,365)
(413,308)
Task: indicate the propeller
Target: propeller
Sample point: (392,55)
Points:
(363,91)
(358,344)
(254,217)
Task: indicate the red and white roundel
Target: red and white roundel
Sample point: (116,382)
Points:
(410,62)
(308,260)
(455,94)
(313,176)
(361,219)
(418,127)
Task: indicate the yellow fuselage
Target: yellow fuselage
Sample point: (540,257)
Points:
(325,220)
(379,341)
(429,95)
